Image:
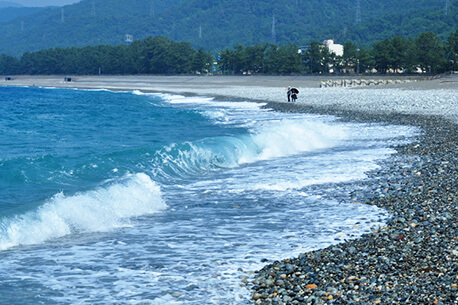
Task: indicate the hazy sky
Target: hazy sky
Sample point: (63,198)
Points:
(37,3)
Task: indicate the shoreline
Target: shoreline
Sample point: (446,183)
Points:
(414,258)
(272,89)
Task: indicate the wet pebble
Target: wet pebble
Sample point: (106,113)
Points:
(413,259)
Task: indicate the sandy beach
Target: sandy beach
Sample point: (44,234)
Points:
(414,258)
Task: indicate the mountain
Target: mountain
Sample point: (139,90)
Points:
(219,24)
(10,13)
(9,4)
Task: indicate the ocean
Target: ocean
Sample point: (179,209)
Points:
(137,198)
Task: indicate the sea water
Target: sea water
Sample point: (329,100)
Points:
(133,198)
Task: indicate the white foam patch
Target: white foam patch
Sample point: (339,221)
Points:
(291,137)
(99,210)
(179,99)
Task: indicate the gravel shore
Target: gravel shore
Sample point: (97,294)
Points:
(414,258)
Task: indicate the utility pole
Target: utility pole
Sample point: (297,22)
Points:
(358,12)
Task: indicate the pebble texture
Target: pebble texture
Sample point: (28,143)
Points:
(414,258)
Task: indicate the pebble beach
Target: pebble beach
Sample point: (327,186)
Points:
(413,259)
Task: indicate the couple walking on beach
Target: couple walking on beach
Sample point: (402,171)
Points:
(292,92)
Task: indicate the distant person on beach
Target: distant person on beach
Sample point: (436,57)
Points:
(288,93)
(294,93)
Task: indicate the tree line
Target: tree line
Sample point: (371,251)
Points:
(426,53)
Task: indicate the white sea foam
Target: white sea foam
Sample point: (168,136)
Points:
(99,210)
(267,141)
(180,99)
(290,137)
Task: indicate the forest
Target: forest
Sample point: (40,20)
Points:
(426,53)
(218,24)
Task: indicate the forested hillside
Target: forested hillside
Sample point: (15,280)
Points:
(160,55)
(218,24)
(10,13)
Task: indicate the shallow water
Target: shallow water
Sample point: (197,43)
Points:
(134,198)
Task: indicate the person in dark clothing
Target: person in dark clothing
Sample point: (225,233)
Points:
(288,93)
(294,93)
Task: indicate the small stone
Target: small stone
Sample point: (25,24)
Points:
(257,296)
(311,286)
(352,250)
(289,268)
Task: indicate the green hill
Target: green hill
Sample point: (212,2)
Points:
(10,13)
(218,24)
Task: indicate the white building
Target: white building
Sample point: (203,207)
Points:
(335,48)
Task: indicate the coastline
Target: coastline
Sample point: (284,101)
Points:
(414,258)
(271,89)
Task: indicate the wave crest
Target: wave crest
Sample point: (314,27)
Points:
(99,210)
(273,140)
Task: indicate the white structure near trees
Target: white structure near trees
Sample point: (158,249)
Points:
(335,48)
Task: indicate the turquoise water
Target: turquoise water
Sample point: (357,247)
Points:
(131,198)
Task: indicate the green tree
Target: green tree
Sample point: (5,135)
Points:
(429,52)
(350,56)
(382,53)
(200,60)
(9,65)
(179,58)
(227,61)
(314,58)
(240,60)
(399,52)
(290,60)
(451,49)
(255,58)
(366,60)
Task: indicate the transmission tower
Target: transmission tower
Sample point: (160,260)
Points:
(358,12)
(446,7)
(151,9)
(62,16)
(200,32)
(274,34)
(128,39)
(93,8)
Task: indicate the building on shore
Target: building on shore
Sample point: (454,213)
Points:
(335,48)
